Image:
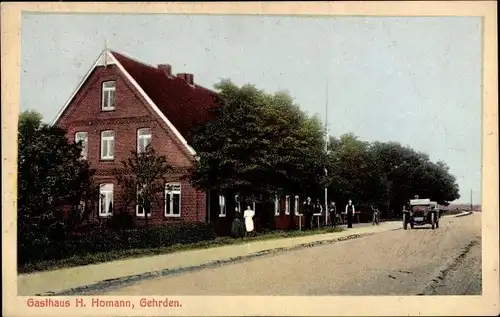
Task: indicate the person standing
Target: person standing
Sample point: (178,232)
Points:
(248,215)
(375,215)
(236,225)
(308,213)
(333,213)
(349,210)
(317,210)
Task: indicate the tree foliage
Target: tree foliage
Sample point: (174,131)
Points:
(263,144)
(258,145)
(387,174)
(142,180)
(51,176)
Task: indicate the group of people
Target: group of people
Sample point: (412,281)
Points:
(337,218)
(311,209)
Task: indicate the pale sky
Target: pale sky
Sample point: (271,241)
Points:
(412,80)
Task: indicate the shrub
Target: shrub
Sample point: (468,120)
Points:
(121,221)
(107,239)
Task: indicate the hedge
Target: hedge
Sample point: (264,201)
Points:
(40,247)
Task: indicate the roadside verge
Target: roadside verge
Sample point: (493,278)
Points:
(91,278)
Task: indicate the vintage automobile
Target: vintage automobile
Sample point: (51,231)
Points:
(422,212)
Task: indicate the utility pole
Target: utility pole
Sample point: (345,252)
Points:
(471,208)
(326,152)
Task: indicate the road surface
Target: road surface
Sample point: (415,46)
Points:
(445,261)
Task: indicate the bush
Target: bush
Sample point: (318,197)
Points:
(121,221)
(107,239)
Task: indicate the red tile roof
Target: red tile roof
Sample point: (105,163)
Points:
(186,106)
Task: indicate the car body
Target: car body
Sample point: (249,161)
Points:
(422,212)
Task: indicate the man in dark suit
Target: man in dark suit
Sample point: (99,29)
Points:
(333,213)
(349,210)
(308,211)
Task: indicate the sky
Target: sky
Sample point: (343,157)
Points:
(414,80)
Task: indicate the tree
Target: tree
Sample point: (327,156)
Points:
(386,174)
(233,151)
(352,170)
(50,179)
(143,180)
(297,145)
(259,145)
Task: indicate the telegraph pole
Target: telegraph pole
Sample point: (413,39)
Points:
(471,208)
(326,152)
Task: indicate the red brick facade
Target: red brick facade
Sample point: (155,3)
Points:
(132,112)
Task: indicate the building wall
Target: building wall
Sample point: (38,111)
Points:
(131,113)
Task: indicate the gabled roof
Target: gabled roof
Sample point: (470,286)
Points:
(182,106)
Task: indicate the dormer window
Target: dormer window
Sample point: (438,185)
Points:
(108,95)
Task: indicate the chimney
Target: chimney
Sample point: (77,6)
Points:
(189,78)
(166,68)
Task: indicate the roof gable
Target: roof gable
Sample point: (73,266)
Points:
(186,106)
(183,107)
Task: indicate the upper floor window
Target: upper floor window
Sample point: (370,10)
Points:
(107,145)
(83,137)
(143,139)
(108,95)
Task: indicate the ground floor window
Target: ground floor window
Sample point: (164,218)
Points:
(287,205)
(296,207)
(173,200)
(139,209)
(222,206)
(276,206)
(237,203)
(105,200)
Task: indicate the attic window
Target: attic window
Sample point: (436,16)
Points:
(108,95)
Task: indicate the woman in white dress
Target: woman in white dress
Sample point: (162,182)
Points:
(248,215)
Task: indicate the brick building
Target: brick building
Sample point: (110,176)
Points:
(122,105)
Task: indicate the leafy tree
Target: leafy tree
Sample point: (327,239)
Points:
(50,179)
(143,179)
(258,145)
(386,173)
(234,154)
(352,170)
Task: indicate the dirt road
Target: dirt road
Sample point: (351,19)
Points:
(445,261)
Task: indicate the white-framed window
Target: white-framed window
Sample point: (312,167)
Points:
(108,95)
(108,145)
(105,200)
(143,139)
(287,204)
(139,209)
(84,138)
(173,200)
(238,202)
(276,206)
(296,207)
(222,206)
